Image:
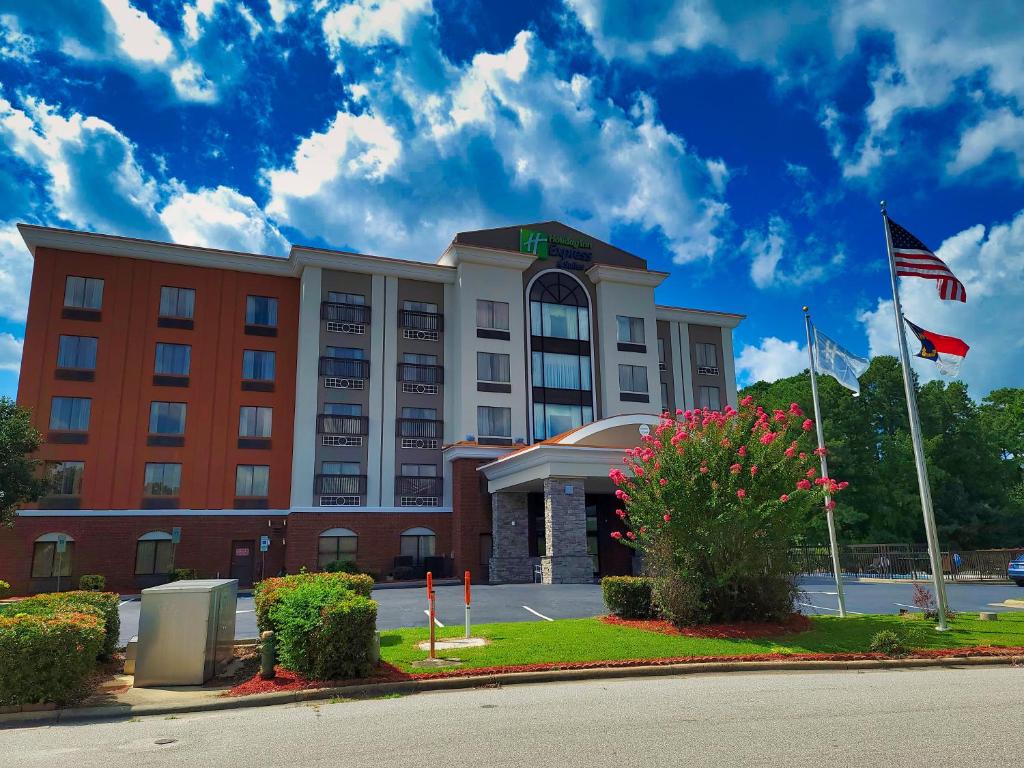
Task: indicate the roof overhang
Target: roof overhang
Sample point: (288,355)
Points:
(647,278)
(698,316)
(459,253)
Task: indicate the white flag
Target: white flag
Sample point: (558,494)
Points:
(837,362)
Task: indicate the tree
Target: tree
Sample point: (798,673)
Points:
(19,473)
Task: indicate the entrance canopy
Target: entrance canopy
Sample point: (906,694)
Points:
(588,452)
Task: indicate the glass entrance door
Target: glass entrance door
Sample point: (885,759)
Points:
(592,543)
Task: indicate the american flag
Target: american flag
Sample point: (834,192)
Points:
(914,259)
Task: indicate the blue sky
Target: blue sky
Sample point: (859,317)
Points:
(742,149)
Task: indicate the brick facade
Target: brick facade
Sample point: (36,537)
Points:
(471,518)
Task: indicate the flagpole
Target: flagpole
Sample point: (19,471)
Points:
(934,554)
(833,541)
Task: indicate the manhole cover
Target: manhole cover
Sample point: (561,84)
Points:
(164,741)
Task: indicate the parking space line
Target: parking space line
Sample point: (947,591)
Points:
(911,607)
(537,614)
(243,611)
(834,610)
(436,620)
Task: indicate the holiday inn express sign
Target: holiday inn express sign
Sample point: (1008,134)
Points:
(571,252)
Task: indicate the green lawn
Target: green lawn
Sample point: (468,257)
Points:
(579,640)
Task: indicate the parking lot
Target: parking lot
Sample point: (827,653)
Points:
(543,602)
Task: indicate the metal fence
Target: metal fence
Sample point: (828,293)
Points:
(905,561)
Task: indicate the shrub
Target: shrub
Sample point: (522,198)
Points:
(323,629)
(628,596)
(4,588)
(102,605)
(888,642)
(92,582)
(714,501)
(342,566)
(48,658)
(268,592)
(184,574)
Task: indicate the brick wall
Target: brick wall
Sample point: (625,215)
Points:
(471,517)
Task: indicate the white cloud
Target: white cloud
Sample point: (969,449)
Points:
(773,263)
(138,37)
(991,266)
(14,44)
(506,137)
(770,360)
(10,352)
(15,273)
(281,10)
(192,84)
(222,218)
(366,23)
(1001,131)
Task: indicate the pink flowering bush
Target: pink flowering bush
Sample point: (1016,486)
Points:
(714,500)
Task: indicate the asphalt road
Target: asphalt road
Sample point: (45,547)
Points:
(537,602)
(893,718)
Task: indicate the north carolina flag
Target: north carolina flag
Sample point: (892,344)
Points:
(947,352)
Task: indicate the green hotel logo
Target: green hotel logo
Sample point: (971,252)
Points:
(533,242)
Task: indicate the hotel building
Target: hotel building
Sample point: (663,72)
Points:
(246,415)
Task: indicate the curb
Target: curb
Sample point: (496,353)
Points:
(371,690)
(926,581)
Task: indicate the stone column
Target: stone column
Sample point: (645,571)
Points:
(510,539)
(565,533)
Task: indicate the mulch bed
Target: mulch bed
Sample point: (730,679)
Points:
(287,680)
(739,631)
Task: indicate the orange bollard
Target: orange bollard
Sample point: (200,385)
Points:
(467,583)
(430,600)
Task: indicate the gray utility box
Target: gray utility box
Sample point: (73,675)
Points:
(186,632)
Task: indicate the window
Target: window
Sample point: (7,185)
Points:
(258,365)
(709,397)
(632,378)
(419,413)
(252,480)
(343,409)
(261,310)
(561,371)
(661,351)
(166,418)
(173,359)
(419,470)
(417,359)
(420,306)
(492,315)
(66,477)
(664,396)
(631,329)
(70,414)
(338,297)
(347,353)
(550,419)
(77,352)
(560,322)
(707,355)
(337,545)
(83,292)
(162,480)
(254,421)
(418,543)
(492,366)
(154,554)
(177,302)
(47,562)
(340,467)
(493,421)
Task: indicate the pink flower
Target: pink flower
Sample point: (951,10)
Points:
(621,494)
(808,425)
(768,438)
(679,411)
(804,485)
(753,470)
(741,493)
(812,472)
(742,451)
(735,469)
(795,409)
(643,529)
(820,451)
(638,471)
(621,513)
(663,482)
(703,470)
(784,497)
(725,442)
(830,504)
(616,535)
(666,517)
(630,535)
(790,452)
(747,400)
(803,456)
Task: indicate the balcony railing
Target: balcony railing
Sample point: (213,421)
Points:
(417,373)
(344,368)
(421,321)
(329,424)
(419,428)
(406,485)
(344,313)
(339,485)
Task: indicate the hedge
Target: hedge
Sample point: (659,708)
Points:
(103,605)
(92,582)
(628,597)
(267,593)
(48,658)
(324,630)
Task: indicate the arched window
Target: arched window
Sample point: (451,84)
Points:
(47,562)
(337,544)
(154,554)
(562,388)
(418,543)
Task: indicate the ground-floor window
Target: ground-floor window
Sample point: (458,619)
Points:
(154,554)
(337,545)
(47,562)
(418,543)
